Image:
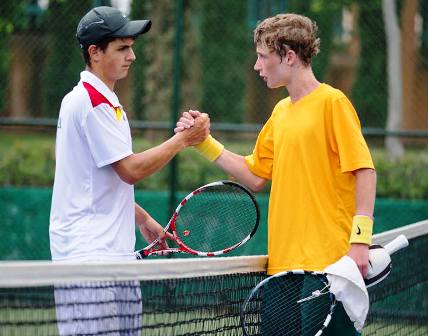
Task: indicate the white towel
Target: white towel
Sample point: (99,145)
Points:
(347,284)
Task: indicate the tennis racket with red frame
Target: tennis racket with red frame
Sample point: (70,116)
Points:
(212,220)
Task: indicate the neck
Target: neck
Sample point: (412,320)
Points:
(302,83)
(100,74)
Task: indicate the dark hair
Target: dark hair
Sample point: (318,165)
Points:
(103,44)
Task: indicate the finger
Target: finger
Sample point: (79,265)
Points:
(204,119)
(169,236)
(188,116)
(178,129)
(165,235)
(195,113)
(184,124)
(364,270)
(163,244)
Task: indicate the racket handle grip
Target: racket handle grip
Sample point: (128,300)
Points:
(396,244)
(140,254)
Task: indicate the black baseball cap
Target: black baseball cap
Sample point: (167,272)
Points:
(102,22)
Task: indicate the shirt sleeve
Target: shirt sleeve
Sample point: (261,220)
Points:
(348,141)
(260,162)
(108,138)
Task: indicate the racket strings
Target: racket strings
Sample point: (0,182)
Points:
(217,218)
(280,313)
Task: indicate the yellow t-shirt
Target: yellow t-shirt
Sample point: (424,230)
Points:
(309,150)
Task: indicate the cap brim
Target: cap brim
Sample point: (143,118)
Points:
(133,28)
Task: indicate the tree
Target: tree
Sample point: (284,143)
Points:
(64,61)
(152,73)
(12,18)
(395,100)
(224,63)
(369,93)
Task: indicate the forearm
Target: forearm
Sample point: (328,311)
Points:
(365,192)
(141,215)
(362,224)
(140,165)
(235,165)
(149,228)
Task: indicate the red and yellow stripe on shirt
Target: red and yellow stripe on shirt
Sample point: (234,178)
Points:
(98,98)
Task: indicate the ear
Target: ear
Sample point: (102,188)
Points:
(290,57)
(94,52)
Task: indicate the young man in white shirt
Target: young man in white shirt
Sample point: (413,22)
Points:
(93,213)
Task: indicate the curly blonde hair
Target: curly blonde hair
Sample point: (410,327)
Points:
(293,31)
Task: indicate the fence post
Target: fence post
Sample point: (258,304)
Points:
(175,104)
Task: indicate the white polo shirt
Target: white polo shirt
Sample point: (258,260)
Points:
(92,214)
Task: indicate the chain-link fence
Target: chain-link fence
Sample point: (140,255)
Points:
(199,54)
(40,60)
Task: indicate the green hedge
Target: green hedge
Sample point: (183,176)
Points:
(28,160)
(24,220)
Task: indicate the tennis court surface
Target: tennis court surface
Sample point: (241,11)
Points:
(203,296)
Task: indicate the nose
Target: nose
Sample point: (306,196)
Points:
(131,55)
(257,65)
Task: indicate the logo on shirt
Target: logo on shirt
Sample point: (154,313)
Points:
(118,112)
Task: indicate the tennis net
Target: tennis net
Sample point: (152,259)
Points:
(187,296)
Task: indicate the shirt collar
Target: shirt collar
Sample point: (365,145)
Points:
(98,84)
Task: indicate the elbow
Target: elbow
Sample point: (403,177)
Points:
(258,185)
(129,179)
(126,172)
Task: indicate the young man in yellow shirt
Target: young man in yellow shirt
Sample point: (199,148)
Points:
(323,179)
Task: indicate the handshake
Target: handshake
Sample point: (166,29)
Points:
(195,127)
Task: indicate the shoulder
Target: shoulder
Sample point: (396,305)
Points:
(76,98)
(281,105)
(95,96)
(332,94)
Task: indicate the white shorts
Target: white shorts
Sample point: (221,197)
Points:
(99,308)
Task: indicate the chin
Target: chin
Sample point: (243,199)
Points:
(272,86)
(123,75)
(275,85)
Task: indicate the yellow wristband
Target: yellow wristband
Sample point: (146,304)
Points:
(362,228)
(210,148)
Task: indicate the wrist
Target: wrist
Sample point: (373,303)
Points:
(210,148)
(180,140)
(365,214)
(362,229)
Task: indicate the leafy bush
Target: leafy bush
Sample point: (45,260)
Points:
(27,164)
(406,178)
(28,160)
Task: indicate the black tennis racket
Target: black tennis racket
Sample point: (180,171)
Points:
(288,303)
(300,302)
(212,220)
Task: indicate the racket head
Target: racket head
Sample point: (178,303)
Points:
(273,307)
(215,219)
